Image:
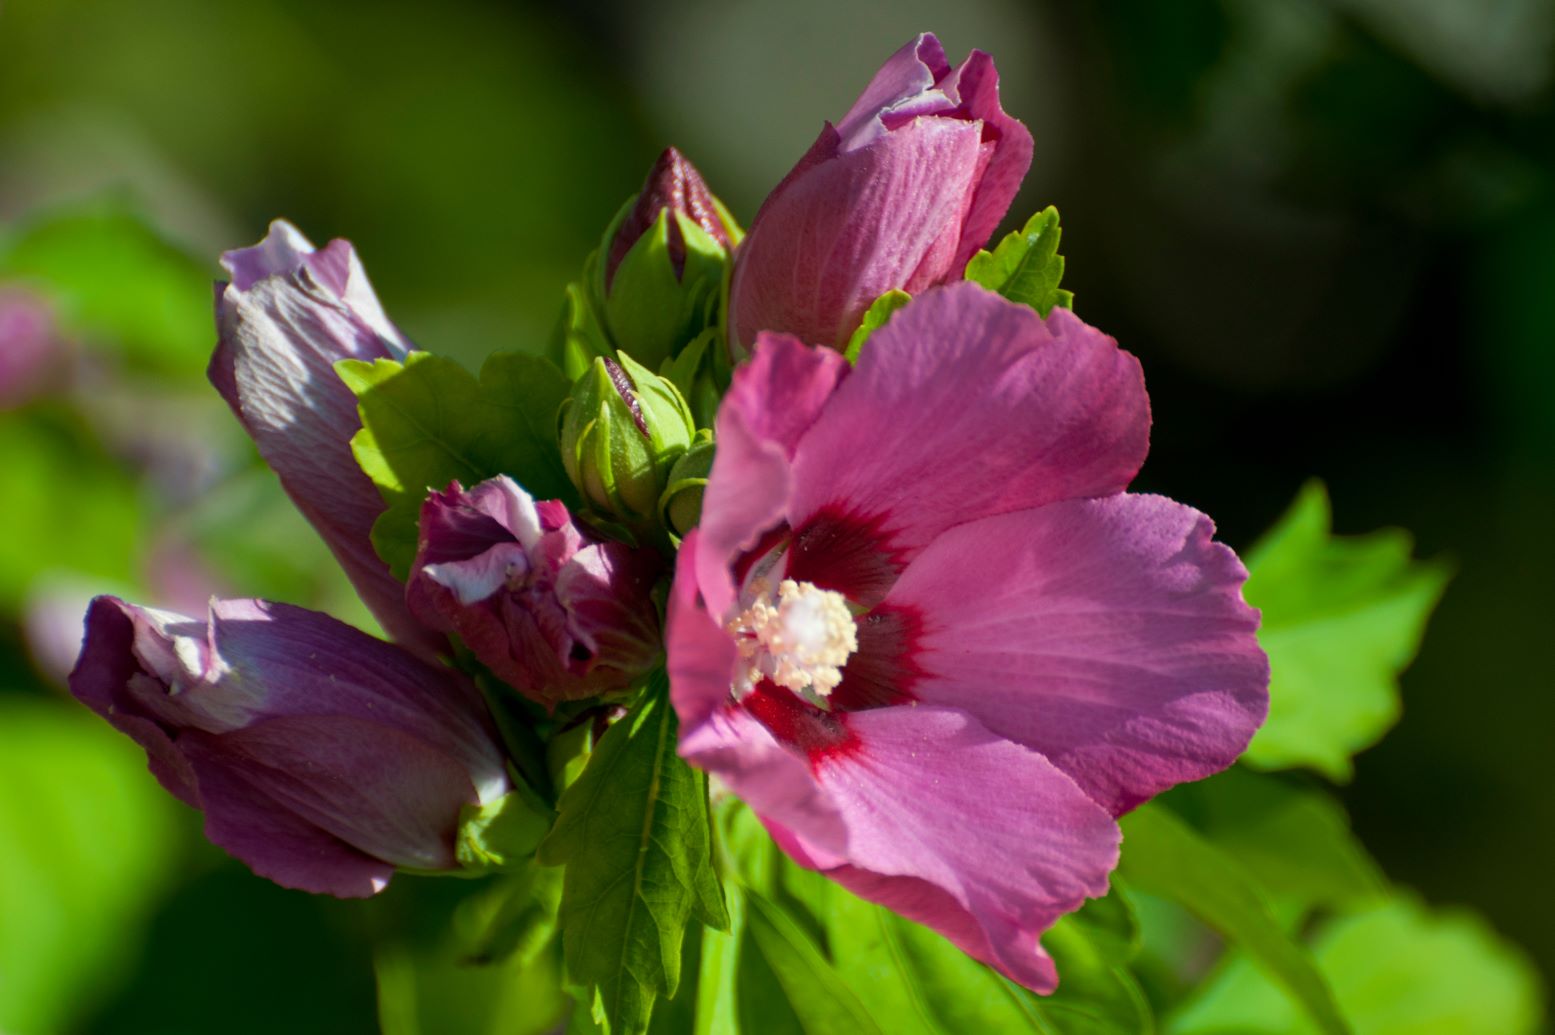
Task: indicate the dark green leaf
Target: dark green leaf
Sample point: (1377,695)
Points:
(1164,856)
(823,1002)
(633,833)
(1025,266)
(1342,617)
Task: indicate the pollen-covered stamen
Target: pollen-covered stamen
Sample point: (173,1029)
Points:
(800,640)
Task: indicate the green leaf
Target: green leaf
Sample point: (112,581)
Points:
(1342,618)
(1025,266)
(433,977)
(1396,969)
(1164,856)
(874,318)
(823,1002)
(428,421)
(1294,840)
(633,832)
(1097,994)
(90,844)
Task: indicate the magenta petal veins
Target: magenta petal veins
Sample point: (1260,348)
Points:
(1028,652)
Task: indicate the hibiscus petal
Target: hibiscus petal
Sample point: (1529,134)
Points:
(968,404)
(977,84)
(1109,634)
(978,837)
(828,243)
(243,819)
(771,404)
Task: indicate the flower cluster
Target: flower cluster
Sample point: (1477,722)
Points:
(907,609)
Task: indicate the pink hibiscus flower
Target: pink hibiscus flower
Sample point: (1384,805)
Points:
(925,634)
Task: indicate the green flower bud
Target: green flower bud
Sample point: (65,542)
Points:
(622,429)
(660,269)
(681,504)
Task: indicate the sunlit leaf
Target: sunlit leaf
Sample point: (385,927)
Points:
(1342,617)
(1025,266)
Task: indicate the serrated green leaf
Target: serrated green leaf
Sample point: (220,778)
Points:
(428,421)
(875,317)
(1164,856)
(1396,969)
(1342,618)
(1025,266)
(633,833)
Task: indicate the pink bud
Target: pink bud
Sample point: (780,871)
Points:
(896,196)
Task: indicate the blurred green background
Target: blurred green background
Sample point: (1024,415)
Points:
(1327,229)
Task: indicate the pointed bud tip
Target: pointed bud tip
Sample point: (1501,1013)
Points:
(674,184)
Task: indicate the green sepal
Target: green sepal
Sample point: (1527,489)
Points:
(652,312)
(1025,266)
(879,311)
(701,371)
(580,336)
(680,506)
(619,466)
(502,833)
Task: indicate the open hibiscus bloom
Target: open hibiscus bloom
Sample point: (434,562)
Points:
(929,639)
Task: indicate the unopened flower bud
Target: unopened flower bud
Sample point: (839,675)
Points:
(661,264)
(622,430)
(681,504)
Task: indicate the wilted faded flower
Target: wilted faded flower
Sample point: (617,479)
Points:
(321,757)
(896,196)
(289,315)
(550,610)
(924,632)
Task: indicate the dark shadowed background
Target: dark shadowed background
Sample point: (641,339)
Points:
(1326,228)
